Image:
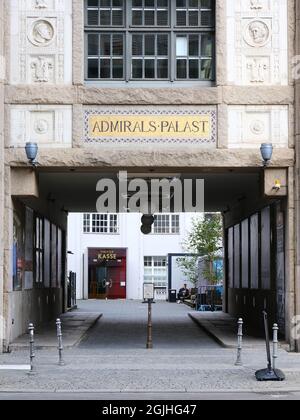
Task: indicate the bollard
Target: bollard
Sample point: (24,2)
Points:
(31,348)
(60,343)
(275,345)
(149,329)
(240,343)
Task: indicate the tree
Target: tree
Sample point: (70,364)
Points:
(205,239)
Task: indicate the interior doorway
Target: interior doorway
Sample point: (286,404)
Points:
(107,273)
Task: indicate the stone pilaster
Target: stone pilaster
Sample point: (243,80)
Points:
(297,180)
(2,76)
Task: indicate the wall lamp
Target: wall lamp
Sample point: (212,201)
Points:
(266,151)
(64,210)
(31,150)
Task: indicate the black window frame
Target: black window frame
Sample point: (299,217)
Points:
(172,30)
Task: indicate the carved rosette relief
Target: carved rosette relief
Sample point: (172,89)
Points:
(257,127)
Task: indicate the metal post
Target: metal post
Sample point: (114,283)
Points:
(149,338)
(240,343)
(275,345)
(60,343)
(31,348)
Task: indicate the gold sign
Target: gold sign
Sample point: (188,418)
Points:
(150,126)
(107,256)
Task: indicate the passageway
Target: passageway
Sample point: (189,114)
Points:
(124,326)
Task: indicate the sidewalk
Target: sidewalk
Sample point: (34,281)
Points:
(75,325)
(112,356)
(223,329)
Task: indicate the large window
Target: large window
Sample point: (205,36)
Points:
(100,223)
(155,271)
(136,40)
(167,224)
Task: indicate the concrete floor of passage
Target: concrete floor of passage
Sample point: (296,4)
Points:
(124,325)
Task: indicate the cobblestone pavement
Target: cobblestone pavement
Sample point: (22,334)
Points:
(112,358)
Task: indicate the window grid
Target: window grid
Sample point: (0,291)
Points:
(105,13)
(105,56)
(150,56)
(155,271)
(172,66)
(100,223)
(194,13)
(150,13)
(166,224)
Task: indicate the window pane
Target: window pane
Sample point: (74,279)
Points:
(105,18)
(117,69)
(194,69)
(149,18)
(93,68)
(93,17)
(105,45)
(117,17)
(206,69)
(181,46)
(105,69)
(207,19)
(137,17)
(117,45)
(193,18)
(93,44)
(137,45)
(162,18)
(162,45)
(137,69)
(194,46)
(149,69)
(149,44)
(162,69)
(181,69)
(181,18)
(206,45)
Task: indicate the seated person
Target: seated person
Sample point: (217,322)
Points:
(183,293)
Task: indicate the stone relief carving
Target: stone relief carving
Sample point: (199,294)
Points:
(257,33)
(42,69)
(258,43)
(42,33)
(48,125)
(41,126)
(249,126)
(256,5)
(40,4)
(257,127)
(41,41)
(258,68)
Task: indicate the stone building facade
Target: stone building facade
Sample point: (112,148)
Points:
(64,82)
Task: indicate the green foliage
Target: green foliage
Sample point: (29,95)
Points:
(189,268)
(205,239)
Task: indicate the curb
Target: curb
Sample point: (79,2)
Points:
(210,331)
